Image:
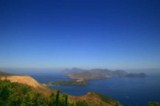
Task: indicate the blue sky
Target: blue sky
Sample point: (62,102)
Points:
(80,33)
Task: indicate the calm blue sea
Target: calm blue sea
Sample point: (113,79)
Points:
(129,91)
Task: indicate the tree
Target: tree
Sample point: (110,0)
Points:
(66,100)
(57,98)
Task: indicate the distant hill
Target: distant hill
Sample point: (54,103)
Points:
(82,74)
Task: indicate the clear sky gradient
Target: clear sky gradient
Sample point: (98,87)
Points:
(80,33)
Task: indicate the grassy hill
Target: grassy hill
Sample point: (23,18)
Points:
(16,94)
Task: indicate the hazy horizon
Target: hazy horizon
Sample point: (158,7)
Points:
(66,70)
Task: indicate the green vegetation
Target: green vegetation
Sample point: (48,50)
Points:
(67,83)
(16,94)
(66,100)
(83,103)
(154,104)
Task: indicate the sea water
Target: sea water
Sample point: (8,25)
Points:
(129,91)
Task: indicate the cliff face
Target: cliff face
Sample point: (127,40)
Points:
(23,79)
(27,80)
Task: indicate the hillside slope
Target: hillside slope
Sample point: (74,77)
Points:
(27,80)
(95,99)
(16,85)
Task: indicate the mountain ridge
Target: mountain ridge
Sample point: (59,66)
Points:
(91,74)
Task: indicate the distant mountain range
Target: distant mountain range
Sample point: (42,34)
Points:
(82,74)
